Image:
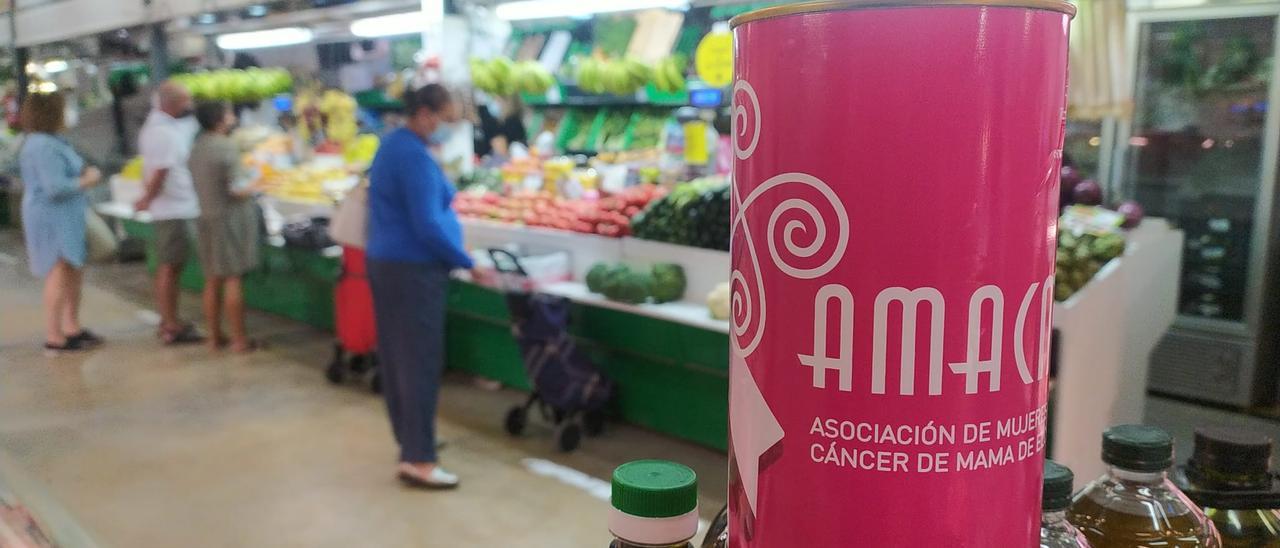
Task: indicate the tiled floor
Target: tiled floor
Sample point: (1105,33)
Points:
(157,447)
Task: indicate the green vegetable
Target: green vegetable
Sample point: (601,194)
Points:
(668,282)
(596,277)
(1080,257)
(693,214)
(627,285)
(718,301)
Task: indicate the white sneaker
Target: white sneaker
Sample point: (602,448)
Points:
(437,478)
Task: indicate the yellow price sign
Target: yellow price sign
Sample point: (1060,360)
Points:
(713,60)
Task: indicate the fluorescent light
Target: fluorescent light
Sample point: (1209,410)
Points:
(390,25)
(32,68)
(42,87)
(257,10)
(286,36)
(56,65)
(545,9)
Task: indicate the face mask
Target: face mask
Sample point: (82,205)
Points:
(442,134)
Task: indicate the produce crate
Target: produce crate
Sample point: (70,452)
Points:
(591,118)
(658,97)
(598,137)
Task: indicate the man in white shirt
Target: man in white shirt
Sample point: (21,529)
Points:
(170,197)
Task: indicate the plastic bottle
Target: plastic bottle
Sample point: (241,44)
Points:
(1055,530)
(1134,505)
(1229,476)
(718,531)
(655,505)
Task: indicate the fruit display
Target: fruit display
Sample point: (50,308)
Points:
(1081,256)
(668,73)
(303,184)
(608,216)
(1132,212)
(360,150)
(693,214)
(240,86)
(502,76)
(613,76)
(662,282)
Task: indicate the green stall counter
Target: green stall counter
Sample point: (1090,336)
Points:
(670,377)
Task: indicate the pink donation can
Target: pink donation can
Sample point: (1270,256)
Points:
(895,179)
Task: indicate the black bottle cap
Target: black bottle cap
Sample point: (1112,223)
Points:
(1242,456)
(1137,448)
(1058,481)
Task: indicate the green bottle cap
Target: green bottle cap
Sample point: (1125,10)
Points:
(1137,448)
(1058,481)
(655,489)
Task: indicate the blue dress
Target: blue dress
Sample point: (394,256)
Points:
(53,205)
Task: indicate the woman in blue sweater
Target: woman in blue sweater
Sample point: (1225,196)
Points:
(414,241)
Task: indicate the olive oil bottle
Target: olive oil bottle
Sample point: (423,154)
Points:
(1134,505)
(1229,475)
(655,505)
(718,532)
(1055,530)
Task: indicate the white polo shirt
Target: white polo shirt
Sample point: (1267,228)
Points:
(165,143)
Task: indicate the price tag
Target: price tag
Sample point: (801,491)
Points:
(713,60)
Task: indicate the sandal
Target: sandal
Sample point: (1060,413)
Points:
(53,350)
(86,338)
(186,334)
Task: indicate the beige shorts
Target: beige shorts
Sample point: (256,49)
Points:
(173,240)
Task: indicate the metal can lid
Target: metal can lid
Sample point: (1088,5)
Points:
(839,5)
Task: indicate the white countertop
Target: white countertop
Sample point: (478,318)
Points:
(682,312)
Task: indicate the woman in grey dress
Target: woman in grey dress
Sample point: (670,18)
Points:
(53,210)
(227,231)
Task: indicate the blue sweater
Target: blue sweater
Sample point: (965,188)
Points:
(411,218)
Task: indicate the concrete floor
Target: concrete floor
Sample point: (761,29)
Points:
(161,447)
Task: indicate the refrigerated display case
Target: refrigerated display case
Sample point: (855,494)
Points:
(1201,151)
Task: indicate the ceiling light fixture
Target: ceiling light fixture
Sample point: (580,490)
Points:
(55,66)
(390,25)
(546,9)
(286,36)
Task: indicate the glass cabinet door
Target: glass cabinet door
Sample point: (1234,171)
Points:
(1195,151)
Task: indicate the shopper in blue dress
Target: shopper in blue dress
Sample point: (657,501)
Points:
(54,179)
(415,239)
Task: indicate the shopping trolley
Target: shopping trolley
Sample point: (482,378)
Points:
(569,390)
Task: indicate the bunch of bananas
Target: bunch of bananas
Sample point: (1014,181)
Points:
(501,76)
(668,74)
(493,76)
(339,110)
(531,77)
(241,86)
(615,76)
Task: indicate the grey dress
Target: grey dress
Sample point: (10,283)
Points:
(228,230)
